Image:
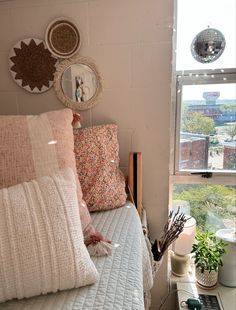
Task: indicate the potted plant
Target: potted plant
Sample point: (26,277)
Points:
(207,257)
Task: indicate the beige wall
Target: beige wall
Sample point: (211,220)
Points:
(130,41)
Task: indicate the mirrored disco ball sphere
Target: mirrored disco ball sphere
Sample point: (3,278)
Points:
(208,45)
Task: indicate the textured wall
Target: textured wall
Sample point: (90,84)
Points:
(130,41)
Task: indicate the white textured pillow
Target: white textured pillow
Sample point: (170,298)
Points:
(41,240)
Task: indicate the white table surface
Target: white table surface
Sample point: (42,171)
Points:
(226,295)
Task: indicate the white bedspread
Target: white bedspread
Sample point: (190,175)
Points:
(124,275)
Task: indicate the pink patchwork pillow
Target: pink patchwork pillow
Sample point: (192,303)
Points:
(97,162)
(37,145)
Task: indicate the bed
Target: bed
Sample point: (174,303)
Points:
(125,276)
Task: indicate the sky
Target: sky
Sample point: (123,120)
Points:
(194,92)
(196,15)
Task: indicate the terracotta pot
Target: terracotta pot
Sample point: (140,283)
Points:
(206,279)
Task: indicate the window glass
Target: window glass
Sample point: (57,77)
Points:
(193,16)
(204,113)
(207,138)
(213,206)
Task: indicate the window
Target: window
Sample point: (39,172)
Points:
(207,123)
(195,15)
(213,206)
(203,169)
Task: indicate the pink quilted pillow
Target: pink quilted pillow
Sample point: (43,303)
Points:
(38,145)
(97,162)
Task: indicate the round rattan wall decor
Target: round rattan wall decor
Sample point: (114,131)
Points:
(62,38)
(32,66)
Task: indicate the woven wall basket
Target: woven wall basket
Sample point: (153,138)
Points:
(62,37)
(32,66)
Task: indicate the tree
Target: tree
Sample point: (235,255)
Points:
(207,203)
(197,122)
(230,130)
(228,107)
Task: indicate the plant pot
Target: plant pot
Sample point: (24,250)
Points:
(206,279)
(227,272)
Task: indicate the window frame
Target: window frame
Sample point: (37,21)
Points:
(186,177)
(182,177)
(199,77)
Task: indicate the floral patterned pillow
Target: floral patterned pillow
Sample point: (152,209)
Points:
(97,162)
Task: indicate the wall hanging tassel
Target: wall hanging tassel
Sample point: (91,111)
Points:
(76,120)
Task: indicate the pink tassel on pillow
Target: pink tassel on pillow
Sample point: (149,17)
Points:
(97,245)
(76,120)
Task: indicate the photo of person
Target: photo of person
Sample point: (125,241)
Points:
(79,92)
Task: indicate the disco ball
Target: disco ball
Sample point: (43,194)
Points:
(208,45)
